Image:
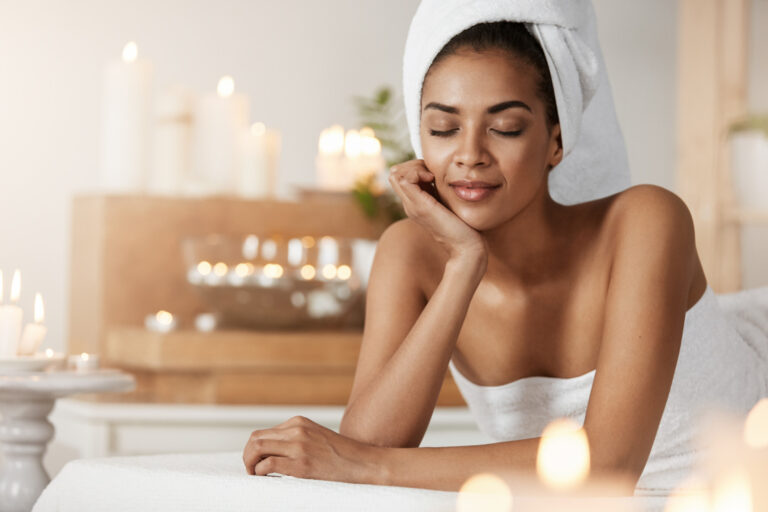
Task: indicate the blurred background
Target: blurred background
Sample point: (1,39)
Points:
(216,294)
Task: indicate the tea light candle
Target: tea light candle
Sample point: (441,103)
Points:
(34,333)
(162,321)
(10,318)
(84,362)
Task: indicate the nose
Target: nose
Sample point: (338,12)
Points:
(471,151)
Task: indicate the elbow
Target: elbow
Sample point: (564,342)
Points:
(354,430)
(620,470)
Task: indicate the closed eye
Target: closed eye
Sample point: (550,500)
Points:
(508,134)
(445,133)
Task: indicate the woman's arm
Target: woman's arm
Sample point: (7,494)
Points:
(408,342)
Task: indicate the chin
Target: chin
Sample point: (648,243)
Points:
(479,220)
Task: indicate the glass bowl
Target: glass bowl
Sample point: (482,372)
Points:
(272,281)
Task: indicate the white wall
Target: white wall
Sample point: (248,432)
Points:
(300,61)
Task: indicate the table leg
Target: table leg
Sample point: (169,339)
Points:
(24,434)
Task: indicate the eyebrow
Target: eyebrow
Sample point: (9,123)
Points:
(491,110)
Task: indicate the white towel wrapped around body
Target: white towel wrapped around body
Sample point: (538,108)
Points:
(595,163)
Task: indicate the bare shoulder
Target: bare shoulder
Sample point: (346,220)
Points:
(646,210)
(410,249)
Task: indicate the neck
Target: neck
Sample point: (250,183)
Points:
(531,247)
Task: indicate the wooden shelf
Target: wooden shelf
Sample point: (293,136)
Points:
(243,367)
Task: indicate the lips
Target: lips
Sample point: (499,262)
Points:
(473,190)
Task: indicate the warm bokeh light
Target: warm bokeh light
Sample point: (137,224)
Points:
(353,144)
(273,270)
(691,496)
(484,492)
(329,271)
(344,272)
(331,140)
(308,272)
(220,269)
(204,268)
(308,241)
(563,457)
(49,352)
(39,309)
(258,129)
(756,426)
(16,286)
(164,317)
(130,52)
(85,356)
(732,493)
(226,86)
(242,269)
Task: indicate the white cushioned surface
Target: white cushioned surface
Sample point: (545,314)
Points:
(217,482)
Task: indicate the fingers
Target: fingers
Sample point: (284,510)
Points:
(258,449)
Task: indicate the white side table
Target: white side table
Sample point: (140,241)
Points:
(26,399)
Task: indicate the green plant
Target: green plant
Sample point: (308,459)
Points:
(379,113)
(756,122)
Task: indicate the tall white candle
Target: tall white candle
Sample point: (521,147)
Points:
(125,129)
(330,159)
(219,121)
(259,157)
(34,333)
(11,317)
(172,143)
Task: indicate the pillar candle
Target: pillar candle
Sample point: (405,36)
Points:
(219,121)
(11,317)
(125,127)
(330,159)
(172,143)
(34,333)
(259,157)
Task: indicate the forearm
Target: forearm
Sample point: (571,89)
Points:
(447,468)
(395,407)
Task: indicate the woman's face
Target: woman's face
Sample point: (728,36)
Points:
(484,135)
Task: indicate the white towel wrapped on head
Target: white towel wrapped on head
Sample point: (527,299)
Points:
(595,162)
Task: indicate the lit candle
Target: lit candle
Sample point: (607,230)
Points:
(162,321)
(84,362)
(34,333)
(330,161)
(562,461)
(11,317)
(259,156)
(125,127)
(219,122)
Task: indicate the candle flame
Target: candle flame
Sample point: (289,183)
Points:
(39,309)
(756,426)
(49,352)
(308,272)
(130,52)
(243,269)
(353,144)
(204,268)
(85,356)
(563,458)
(486,492)
(164,317)
(331,140)
(329,271)
(258,129)
(344,272)
(226,86)
(220,269)
(273,270)
(16,286)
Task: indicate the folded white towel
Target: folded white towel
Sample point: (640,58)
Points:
(595,163)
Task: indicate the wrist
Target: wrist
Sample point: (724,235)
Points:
(468,264)
(379,466)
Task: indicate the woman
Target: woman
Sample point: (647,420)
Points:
(581,307)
